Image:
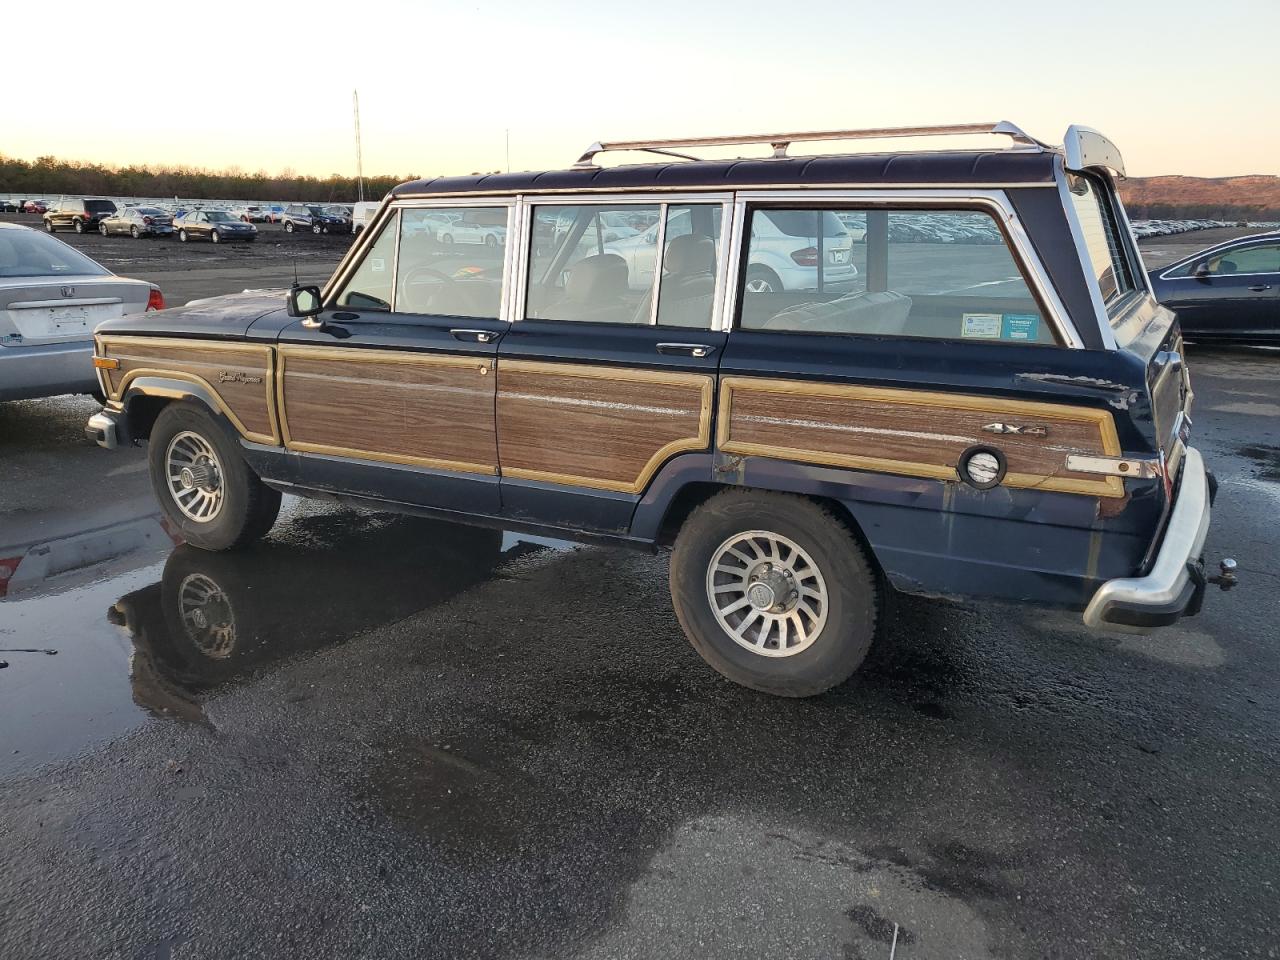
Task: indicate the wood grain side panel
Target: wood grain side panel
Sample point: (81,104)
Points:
(597,427)
(238,375)
(915,433)
(434,411)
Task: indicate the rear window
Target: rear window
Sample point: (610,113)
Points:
(804,223)
(1107,256)
(100,206)
(26,253)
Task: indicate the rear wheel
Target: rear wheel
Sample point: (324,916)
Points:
(182,235)
(79,226)
(774,592)
(763,280)
(133,232)
(48,226)
(102,229)
(316,228)
(288,226)
(214,236)
(204,485)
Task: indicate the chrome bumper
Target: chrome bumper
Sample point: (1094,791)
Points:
(1176,579)
(101,429)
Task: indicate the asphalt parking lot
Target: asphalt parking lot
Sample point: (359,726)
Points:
(381,737)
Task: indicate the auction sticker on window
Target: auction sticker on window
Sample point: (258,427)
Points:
(1020,326)
(980,326)
(378,264)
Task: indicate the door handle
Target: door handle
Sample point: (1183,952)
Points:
(475,336)
(687,349)
(1259,287)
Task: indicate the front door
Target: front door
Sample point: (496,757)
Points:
(610,370)
(393,394)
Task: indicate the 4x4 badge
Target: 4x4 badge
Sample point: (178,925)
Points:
(1027,431)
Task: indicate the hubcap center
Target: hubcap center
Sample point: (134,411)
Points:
(772,589)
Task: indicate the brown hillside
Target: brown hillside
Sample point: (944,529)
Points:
(1218,198)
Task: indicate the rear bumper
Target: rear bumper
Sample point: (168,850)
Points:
(1175,586)
(46,370)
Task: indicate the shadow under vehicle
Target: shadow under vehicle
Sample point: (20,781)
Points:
(216,618)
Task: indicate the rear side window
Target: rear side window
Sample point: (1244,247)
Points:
(1107,256)
(100,206)
(938,274)
(1264,259)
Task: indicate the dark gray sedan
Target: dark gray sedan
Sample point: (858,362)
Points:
(138,222)
(1227,293)
(216,225)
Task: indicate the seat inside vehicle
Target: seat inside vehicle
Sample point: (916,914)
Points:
(596,289)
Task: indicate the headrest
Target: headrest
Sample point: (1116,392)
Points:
(690,254)
(597,278)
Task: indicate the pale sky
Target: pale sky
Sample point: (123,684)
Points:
(1181,87)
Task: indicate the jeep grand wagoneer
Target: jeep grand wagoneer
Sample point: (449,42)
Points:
(819,378)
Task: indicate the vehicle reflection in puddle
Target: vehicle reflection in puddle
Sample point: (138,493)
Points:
(189,623)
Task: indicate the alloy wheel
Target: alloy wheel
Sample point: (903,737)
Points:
(194,476)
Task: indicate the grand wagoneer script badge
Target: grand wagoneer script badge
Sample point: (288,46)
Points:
(227,376)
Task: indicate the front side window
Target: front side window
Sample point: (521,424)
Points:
(626,263)
(937,274)
(452,261)
(1264,259)
(1107,257)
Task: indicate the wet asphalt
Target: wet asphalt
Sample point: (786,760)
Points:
(384,737)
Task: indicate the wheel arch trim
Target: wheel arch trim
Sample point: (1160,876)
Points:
(185,386)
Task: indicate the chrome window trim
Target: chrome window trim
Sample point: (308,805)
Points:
(659,254)
(994,202)
(1082,255)
(526,214)
(395,259)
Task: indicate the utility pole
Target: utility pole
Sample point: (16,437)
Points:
(355,99)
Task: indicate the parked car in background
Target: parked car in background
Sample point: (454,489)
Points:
(785,252)
(35,206)
(250,214)
(51,298)
(362,213)
(138,222)
(476,226)
(1227,293)
(275,213)
(79,215)
(301,216)
(9,206)
(216,225)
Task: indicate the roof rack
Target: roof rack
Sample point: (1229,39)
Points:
(781,141)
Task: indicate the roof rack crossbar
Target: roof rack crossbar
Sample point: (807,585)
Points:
(781,141)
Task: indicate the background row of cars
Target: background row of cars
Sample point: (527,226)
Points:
(218,225)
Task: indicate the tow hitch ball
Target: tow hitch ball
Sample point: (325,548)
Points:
(1227,578)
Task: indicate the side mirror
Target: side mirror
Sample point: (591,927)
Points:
(304,301)
(1202,270)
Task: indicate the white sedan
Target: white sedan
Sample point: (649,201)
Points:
(51,298)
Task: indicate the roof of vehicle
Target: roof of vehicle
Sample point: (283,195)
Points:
(966,168)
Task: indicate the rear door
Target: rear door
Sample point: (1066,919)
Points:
(393,394)
(608,371)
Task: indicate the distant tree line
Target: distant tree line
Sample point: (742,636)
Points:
(51,177)
(1201,211)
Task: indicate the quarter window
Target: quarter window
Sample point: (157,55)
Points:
(370,286)
(939,274)
(1107,257)
(624,263)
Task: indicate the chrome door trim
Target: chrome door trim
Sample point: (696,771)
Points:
(995,202)
(659,254)
(688,190)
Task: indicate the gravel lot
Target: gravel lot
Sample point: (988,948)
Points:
(423,741)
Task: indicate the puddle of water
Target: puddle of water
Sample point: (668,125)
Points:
(145,629)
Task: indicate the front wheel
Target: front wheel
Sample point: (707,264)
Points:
(315,228)
(214,236)
(102,229)
(204,485)
(774,592)
(48,226)
(79,226)
(133,232)
(182,235)
(288,227)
